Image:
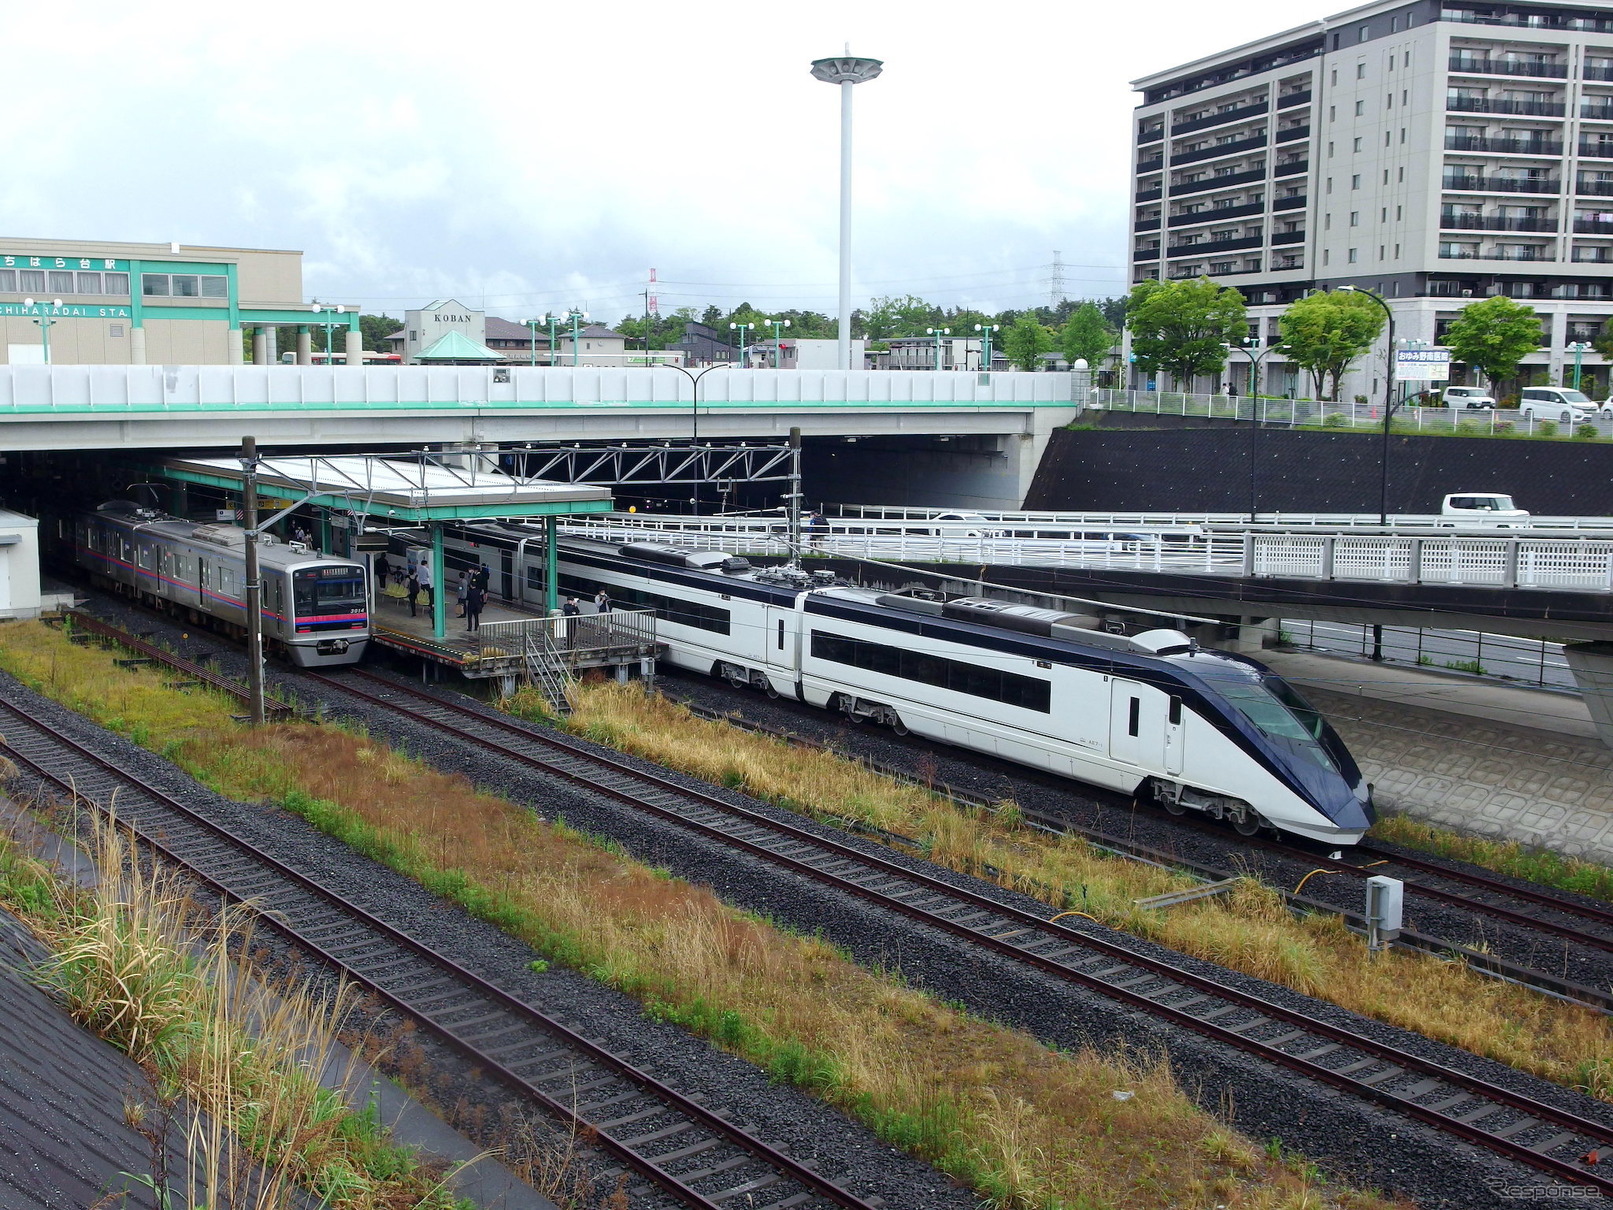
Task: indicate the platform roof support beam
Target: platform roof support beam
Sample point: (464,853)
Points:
(439,614)
(551,564)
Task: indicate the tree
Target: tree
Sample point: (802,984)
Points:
(1026,341)
(1183,327)
(1324,332)
(1086,337)
(376,328)
(1494,334)
(907,315)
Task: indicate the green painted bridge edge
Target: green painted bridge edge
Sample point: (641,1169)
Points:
(518,405)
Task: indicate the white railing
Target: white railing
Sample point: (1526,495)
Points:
(1474,560)
(1476,422)
(574,636)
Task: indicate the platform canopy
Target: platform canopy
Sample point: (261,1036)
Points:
(399,489)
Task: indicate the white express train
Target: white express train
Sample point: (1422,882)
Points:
(1152,714)
(315,607)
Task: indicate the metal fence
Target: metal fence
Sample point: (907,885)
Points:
(1521,660)
(1474,422)
(1042,521)
(580,636)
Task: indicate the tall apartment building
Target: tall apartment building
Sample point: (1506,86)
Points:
(1437,152)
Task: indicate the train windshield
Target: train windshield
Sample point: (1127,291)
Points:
(321,591)
(1274,707)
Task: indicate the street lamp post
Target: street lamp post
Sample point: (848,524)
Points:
(1388,403)
(1254,415)
(985,331)
(694,412)
(1580,347)
(743,347)
(778,325)
(534,325)
(845,71)
(330,326)
(554,321)
(44,321)
(576,317)
(938,333)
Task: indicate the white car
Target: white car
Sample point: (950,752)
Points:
(1561,404)
(1467,397)
(962,525)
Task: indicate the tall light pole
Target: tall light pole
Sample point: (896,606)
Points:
(45,321)
(778,325)
(845,71)
(985,331)
(743,348)
(694,412)
(248,458)
(554,321)
(1388,403)
(1580,347)
(1254,414)
(938,333)
(576,317)
(330,326)
(534,325)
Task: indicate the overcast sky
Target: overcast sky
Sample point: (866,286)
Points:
(526,157)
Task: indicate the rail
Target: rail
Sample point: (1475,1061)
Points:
(1490,560)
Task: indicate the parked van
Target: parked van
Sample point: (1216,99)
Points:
(1562,404)
(1467,397)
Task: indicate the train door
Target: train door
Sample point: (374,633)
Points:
(1175,734)
(507,571)
(783,650)
(1136,725)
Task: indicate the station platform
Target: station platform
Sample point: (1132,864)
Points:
(510,637)
(1493,760)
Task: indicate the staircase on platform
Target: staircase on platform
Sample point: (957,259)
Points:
(547,668)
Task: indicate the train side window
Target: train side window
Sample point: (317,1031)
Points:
(1176,712)
(781,634)
(1134,717)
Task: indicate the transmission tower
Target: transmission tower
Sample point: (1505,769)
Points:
(1056,291)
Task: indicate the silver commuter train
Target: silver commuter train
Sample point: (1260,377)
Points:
(1151,715)
(315,607)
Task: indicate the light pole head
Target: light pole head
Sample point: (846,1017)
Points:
(846,69)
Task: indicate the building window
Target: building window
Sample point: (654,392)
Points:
(1361,36)
(1326,256)
(1355,181)
(1402,134)
(31,281)
(116,283)
(60,282)
(1354,255)
(1401,171)
(1332,111)
(1356,145)
(154,285)
(1360,108)
(1399,210)
(1330,149)
(115,331)
(89,283)
(1355,218)
(1397,251)
(1360,71)
(1333,76)
(183,285)
(1329,185)
(1386,137)
(8,281)
(1380,251)
(1394,28)
(1327,221)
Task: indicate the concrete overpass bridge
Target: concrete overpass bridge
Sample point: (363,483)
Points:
(974,437)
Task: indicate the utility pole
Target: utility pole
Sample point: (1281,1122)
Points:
(795,494)
(254,582)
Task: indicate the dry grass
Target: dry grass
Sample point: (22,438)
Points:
(1026,1126)
(1503,856)
(232,1062)
(1249,930)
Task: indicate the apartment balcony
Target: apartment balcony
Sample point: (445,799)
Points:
(1503,67)
(1293,133)
(1149,195)
(1292,168)
(1500,184)
(1288,237)
(1153,165)
(1150,134)
(1295,98)
(1145,254)
(1596,149)
(1450,289)
(1147,224)
(1215,247)
(1494,222)
(1221,119)
(1521,254)
(1602,112)
(1539,109)
(1552,147)
(1209,153)
(1216,214)
(1290,203)
(1593,226)
(1216,182)
(1593,256)
(1458,254)
(1594,188)
(1597,73)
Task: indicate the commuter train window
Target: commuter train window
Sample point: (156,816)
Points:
(667,609)
(1010,688)
(1134,717)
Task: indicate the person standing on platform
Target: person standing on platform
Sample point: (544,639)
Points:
(602,601)
(412,587)
(474,599)
(482,577)
(422,573)
(461,589)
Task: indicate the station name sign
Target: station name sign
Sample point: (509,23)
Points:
(63,262)
(67,310)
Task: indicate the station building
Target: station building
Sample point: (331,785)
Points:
(95,302)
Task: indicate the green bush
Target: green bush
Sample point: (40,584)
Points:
(1586,432)
(1503,426)
(1362,399)
(1335,421)
(1546,428)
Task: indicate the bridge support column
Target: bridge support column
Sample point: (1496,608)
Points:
(305,346)
(1592,666)
(237,349)
(355,347)
(260,347)
(1246,636)
(137,346)
(271,344)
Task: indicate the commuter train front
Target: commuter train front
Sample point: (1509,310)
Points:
(1150,715)
(315,607)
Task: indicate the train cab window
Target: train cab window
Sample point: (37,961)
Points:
(322,591)
(1176,712)
(1134,717)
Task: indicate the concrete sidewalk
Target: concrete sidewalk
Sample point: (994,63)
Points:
(1472,755)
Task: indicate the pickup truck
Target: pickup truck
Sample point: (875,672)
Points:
(1482,508)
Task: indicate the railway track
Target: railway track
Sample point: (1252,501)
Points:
(668,1142)
(1505,1122)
